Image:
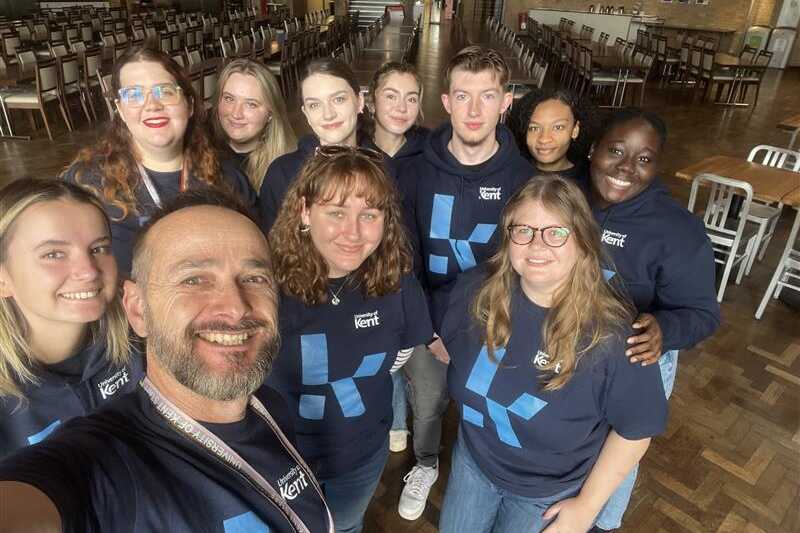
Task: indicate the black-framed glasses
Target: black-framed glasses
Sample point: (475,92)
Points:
(336,150)
(552,236)
(135,95)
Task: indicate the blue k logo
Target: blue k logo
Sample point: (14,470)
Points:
(480,380)
(314,353)
(441,218)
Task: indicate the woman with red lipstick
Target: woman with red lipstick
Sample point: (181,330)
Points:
(249,119)
(661,256)
(331,101)
(63,335)
(349,304)
(553,130)
(154,148)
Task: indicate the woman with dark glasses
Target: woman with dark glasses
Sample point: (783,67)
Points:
(553,416)
(349,304)
(154,147)
(331,101)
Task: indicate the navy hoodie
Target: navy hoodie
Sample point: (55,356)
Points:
(279,176)
(414,146)
(72,388)
(125,469)
(452,210)
(665,262)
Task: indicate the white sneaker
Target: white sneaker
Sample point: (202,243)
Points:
(398,440)
(415,494)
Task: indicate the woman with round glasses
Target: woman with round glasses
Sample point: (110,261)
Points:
(331,101)
(553,416)
(349,304)
(64,348)
(249,119)
(662,257)
(154,148)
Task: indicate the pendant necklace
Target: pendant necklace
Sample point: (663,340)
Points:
(335,300)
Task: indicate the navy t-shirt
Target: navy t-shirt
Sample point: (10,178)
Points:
(75,387)
(124,469)
(333,370)
(526,440)
(167,184)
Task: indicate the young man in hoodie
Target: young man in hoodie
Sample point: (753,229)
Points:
(453,194)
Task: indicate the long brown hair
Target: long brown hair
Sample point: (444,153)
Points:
(300,269)
(585,309)
(17,360)
(277,137)
(114,154)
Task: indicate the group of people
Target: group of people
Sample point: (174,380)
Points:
(209,325)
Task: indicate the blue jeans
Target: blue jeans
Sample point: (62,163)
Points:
(474,504)
(349,495)
(399,401)
(611,515)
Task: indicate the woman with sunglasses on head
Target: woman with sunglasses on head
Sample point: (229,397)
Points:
(250,122)
(349,304)
(553,129)
(662,257)
(64,348)
(553,416)
(396,112)
(154,147)
(331,101)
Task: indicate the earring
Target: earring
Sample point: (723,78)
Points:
(305,228)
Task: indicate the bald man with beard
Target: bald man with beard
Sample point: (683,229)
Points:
(201,444)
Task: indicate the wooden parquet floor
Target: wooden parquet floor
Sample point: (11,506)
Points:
(730,459)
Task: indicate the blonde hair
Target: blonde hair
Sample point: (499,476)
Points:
(585,309)
(17,359)
(300,269)
(277,137)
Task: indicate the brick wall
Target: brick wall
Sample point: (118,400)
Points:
(720,13)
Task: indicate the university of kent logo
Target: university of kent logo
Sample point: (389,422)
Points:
(293,483)
(109,386)
(541,359)
(490,193)
(480,380)
(441,218)
(314,357)
(613,238)
(367,320)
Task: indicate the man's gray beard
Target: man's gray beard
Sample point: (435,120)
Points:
(189,370)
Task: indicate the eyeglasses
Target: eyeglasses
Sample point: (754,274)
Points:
(335,150)
(552,236)
(135,95)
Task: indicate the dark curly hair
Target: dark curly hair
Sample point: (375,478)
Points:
(584,112)
(627,114)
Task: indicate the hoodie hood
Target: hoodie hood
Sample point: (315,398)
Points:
(307,144)
(655,192)
(437,153)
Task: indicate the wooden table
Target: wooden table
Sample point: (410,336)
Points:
(791,124)
(769,184)
(740,70)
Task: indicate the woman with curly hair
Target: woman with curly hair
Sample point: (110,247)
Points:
(553,128)
(154,148)
(249,119)
(553,416)
(349,304)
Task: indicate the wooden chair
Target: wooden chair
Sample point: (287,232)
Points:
(45,92)
(71,86)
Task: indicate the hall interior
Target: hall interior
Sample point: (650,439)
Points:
(730,458)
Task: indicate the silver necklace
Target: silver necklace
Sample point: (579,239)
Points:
(335,300)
